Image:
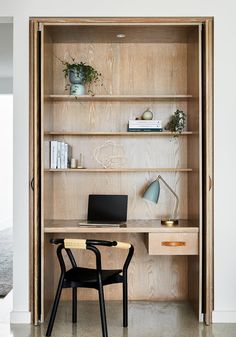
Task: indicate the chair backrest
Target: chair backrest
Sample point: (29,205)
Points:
(68,244)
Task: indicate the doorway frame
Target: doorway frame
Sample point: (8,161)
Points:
(208,135)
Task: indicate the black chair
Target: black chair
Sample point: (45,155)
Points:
(78,277)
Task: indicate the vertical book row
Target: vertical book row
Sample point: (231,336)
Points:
(57,155)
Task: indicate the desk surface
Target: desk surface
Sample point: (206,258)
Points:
(133,226)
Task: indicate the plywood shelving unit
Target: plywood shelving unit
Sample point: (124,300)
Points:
(157,66)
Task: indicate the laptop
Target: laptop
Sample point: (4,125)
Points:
(106,210)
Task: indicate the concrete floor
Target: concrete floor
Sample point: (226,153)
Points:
(146,319)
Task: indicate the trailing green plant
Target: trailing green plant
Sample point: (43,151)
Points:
(177,122)
(90,74)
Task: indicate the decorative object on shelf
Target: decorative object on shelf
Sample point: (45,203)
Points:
(73,163)
(80,163)
(145,125)
(152,193)
(147,114)
(110,155)
(77,89)
(80,73)
(176,122)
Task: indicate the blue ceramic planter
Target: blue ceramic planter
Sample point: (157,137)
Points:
(77,89)
(76,78)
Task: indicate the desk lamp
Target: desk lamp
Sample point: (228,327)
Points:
(152,194)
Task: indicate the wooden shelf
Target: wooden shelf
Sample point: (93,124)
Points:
(135,169)
(115,133)
(133,226)
(104,98)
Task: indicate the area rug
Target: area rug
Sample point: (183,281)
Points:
(6,257)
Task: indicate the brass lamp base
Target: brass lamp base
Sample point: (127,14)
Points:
(169,222)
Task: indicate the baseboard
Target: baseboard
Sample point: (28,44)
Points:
(20,317)
(224,316)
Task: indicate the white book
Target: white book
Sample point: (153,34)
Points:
(53,154)
(66,156)
(62,155)
(46,154)
(145,123)
(58,155)
(144,127)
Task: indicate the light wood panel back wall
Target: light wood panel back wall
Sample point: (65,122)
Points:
(127,69)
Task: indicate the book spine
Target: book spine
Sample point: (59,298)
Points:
(69,155)
(53,154)
(156,124)
(62,155)
(145,125)
(66,156)
(58,155)
(145,130)
(46,154)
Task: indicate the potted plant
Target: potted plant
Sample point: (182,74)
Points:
(176,123)
(79,75)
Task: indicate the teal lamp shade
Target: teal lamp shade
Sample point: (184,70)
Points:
(152,193)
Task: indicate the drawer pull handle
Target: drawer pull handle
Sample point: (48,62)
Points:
(173,243)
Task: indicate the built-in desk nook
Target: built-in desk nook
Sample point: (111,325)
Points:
(155,66)
(181,240)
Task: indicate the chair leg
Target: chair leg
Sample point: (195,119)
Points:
(74,305)
(102,310)
(125,302)
(54,308)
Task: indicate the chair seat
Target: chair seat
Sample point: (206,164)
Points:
(87,277)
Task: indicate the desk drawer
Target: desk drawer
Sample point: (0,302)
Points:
(173,243)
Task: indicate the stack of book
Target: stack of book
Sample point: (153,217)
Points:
(57,155)
(153,125)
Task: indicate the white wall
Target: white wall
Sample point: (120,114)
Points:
(225,121)
(6,168)
(6,124)
(6,57)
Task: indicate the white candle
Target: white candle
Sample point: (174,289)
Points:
(73,163)
(80,161)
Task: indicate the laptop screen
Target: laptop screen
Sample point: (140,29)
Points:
(107,208)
